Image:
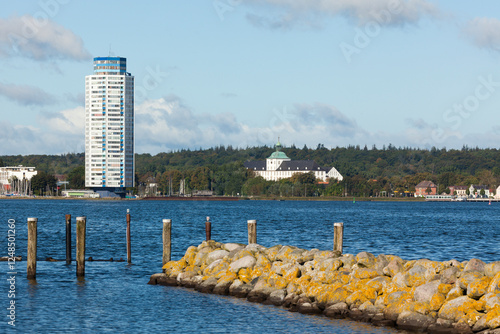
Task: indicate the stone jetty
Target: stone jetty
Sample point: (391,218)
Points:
(385,290)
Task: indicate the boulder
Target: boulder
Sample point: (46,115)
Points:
(414,321)
(309,308)
(495,284)
(215,255)
(232,246)
(277,297)
(338,310)
(207,286)
(245,262)
(425,292)
(456,308)
(365,260)
(450,275)
(394,267)
(474,265)
(478,288)
(491,269)
(239,289)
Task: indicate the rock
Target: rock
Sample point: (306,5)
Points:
(394,267)
(425,292)
(201,256)
(245,262)
(450,275)
(491,269)
(491,300)
(272,252)
(478,288)
(162,279)
(338,310)
(277,297)
(239,289)
(309,308)
(207,286)
(400,280)
(467,278)
(456,308)
(414,321)
(284,253)
(348,260)
(222,288)
(232,246)
(475,265)
(365,260)
(216,255)
(416,275)
(364,273)
(495,284)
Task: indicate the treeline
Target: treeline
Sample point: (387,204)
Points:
(367,171)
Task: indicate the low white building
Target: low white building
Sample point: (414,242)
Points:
(475,190)
(497,194)
(19,173)
(279,166)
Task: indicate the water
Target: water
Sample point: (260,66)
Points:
(114,296)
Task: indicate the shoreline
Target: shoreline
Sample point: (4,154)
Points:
(417,295)
(229,198)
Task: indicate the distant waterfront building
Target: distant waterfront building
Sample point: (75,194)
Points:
(279,166)
(109,127)
(19,172)
(459,191)
(475,190)
(425,188)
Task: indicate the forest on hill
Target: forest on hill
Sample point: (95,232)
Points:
(366,171)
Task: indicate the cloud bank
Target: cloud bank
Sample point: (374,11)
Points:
(26,95)
(169,124)
(308,12)
(39,39)
(484,32)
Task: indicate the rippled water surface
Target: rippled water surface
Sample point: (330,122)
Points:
(114,296)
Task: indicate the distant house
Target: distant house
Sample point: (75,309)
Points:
(461,191)
(425,188)
(475,190)
(497,194)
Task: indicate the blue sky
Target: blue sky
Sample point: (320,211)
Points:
(243,72)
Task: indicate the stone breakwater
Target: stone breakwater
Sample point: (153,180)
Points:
(419,295)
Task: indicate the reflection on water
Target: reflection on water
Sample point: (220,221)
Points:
(114,296)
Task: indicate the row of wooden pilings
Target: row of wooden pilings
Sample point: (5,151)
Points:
(338,238)
(81,227)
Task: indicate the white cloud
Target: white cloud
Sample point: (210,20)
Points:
(169,124)
(484,32)
(66,122)
(39,39)
(26,95)
(307,12)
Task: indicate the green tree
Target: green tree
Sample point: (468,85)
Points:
(41,181)
(76,178)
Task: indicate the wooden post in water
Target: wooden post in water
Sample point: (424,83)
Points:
(32,236)
(68,239)
(208,229)
(338,237)
(81,226)
(129,252)
(167,245)
(252,231)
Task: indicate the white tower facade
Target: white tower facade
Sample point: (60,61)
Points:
(109,126)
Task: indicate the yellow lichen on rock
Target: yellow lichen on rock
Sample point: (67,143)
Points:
(447,294)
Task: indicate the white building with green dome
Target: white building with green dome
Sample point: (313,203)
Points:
(279,166)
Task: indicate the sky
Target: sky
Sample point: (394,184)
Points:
(411,73)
